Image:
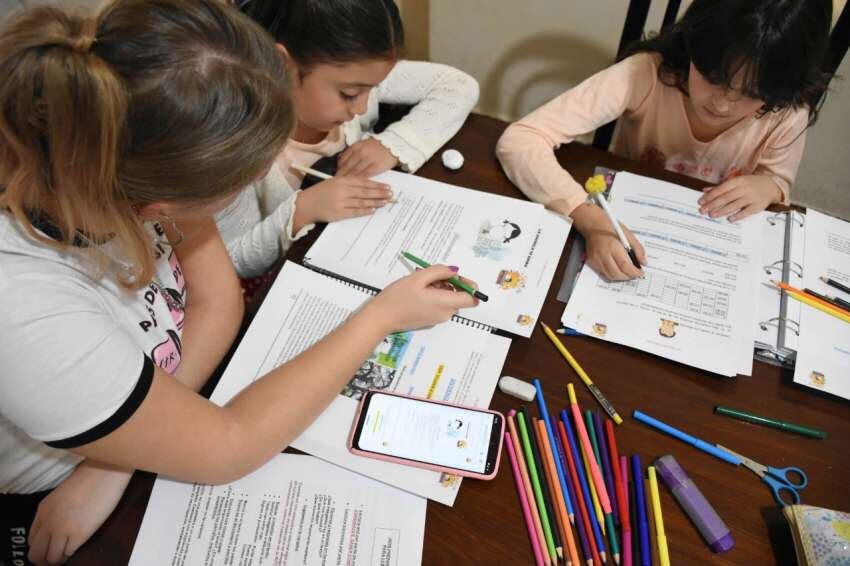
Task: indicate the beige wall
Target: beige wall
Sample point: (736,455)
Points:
(523,53)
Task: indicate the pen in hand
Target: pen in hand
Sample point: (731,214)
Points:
(454,281)
(596,186)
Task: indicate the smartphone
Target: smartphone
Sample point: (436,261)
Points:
(444,437)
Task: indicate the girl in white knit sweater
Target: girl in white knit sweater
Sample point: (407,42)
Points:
(342,56)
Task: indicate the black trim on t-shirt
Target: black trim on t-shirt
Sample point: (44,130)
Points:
(119,417)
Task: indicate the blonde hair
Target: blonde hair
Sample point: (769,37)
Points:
(150,101)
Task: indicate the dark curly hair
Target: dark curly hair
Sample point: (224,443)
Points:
(780,45)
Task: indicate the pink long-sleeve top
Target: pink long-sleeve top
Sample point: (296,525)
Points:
(652,127)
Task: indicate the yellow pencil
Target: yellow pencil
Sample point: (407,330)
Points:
(661,538)
(803,298)
(609,408)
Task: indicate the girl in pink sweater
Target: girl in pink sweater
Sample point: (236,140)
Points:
(723,95)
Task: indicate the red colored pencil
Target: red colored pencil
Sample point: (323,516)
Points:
(618,476)
(584,517)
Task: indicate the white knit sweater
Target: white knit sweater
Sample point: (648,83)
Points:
(257,226)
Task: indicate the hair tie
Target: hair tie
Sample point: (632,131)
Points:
(87,37)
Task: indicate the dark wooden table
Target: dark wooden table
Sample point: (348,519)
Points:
(486,526)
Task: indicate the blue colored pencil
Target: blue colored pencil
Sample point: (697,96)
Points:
(544,414)
(579,524)
(607,470)
(640,501)
(594,523)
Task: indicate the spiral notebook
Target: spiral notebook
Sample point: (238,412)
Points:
(458,361)
(509,247)
(778,324)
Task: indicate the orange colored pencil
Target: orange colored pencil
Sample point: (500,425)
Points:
(559,495)
(529,492)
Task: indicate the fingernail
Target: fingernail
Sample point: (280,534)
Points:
(454,268)
(701,201)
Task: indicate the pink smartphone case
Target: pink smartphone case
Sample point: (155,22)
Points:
(415,464)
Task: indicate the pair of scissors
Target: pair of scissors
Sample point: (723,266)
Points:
(778,479)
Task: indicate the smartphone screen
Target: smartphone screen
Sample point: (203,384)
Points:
(433,433)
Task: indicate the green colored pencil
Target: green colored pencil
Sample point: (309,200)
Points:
(535,483)
(767,421)
(591,431)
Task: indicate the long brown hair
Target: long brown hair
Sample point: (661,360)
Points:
(149,101)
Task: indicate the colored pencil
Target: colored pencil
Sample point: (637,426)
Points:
(815,304)
(526,512)
(597,440)
(548,500)
(593,490)
(661,537)
(535,482)
(767,421)
(597,543)
(633,521)
(607,472)
(601,492)
(453,281)
(640,508)
(550,457)
(579,524)
(551,484)
(816,297)
(597,508)
(594,390)
(650,520)
(834,301)
(614,456)
(835,284)
(529,491)
(544,414)
(625,510)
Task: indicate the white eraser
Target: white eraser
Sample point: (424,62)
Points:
(452,159)
(517,388)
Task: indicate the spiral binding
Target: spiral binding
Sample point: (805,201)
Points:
(777,320)
(471,323)
(777,266)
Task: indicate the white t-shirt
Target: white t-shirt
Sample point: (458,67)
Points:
(76,352)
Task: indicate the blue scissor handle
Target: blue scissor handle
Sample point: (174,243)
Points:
(786,475)
(778,487)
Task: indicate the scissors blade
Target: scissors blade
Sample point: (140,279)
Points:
(751,464)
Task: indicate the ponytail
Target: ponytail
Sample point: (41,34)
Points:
(151,101)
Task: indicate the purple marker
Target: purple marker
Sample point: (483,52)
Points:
(699,510)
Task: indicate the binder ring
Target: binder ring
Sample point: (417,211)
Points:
(775,321)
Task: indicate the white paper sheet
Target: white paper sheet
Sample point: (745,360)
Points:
(509,247)
(823,352)
(294,510)
(448,362)
(696,304)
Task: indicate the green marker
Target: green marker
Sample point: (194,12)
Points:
(455,282)
(773,423)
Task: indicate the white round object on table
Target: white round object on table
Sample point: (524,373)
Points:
(452,159)
(517,388)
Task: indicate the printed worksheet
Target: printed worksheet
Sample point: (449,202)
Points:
(294,510)
(696,304)
(823,352)
(456,361)
(509,247)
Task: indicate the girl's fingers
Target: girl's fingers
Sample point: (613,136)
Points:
(722,201)
(38,548)
(611,271)
(734,205)
(56,550)
(748,210)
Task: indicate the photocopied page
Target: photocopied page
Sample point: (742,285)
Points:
(696,304)
(448,362)
(509,247)
(823,352)
(294,510)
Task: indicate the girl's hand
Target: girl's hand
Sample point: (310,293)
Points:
(366,158)
(71,514)
(605,253)
(744,195)
(338,198)
(420,299)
